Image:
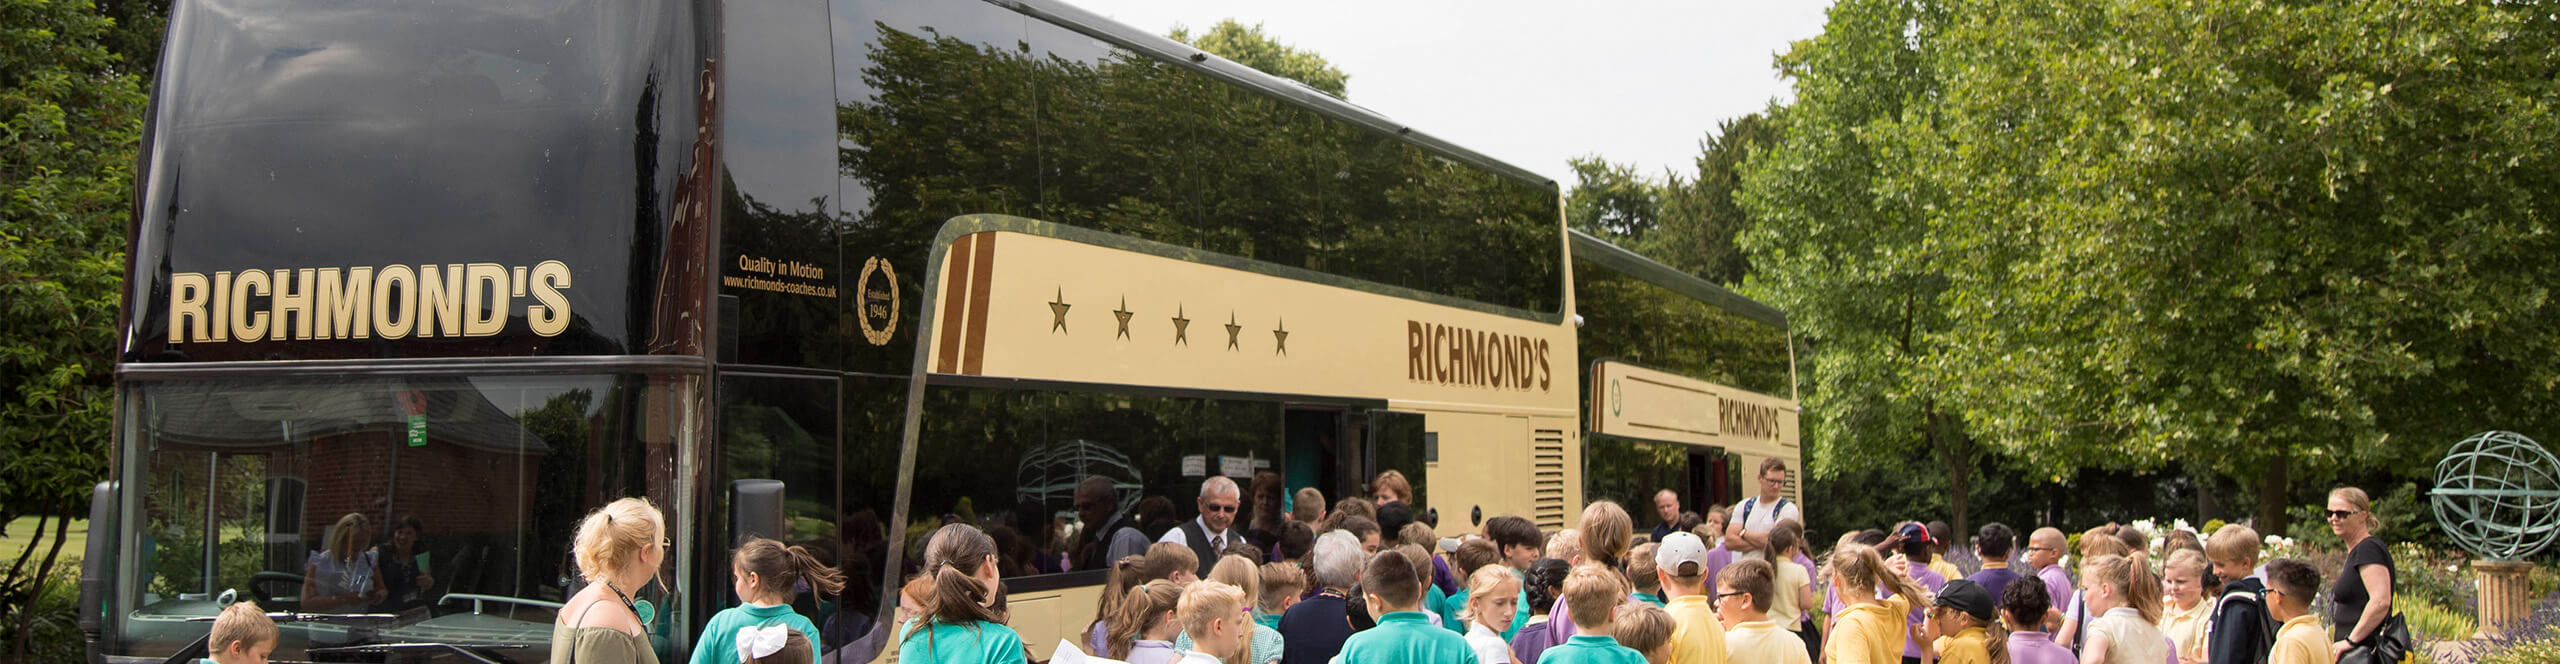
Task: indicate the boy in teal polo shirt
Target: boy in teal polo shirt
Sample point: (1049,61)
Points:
(1591,596)
(1404,633)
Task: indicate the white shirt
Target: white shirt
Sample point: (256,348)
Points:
(1488,644)
(1176,536)
(1763,516)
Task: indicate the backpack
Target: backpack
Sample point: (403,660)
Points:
(2266,619)
(1753,502)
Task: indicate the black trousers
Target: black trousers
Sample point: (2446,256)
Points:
(1812,640)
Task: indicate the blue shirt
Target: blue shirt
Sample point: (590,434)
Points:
(1449,612)
(973,643)
(1407,636)
(719,642)
(1589,649)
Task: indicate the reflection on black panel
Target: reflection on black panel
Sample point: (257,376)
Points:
(948,109)
(1630,320)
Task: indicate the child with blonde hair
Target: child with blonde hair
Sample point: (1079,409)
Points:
(242,635)
(2124,597)
(1213,617)
(1492,595)
(1263,641)
(2183,614)
(1869,630)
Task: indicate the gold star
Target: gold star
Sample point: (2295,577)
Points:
(1058,312)
(1124,313)
(1232,329)
(1281,335)
(1181,327)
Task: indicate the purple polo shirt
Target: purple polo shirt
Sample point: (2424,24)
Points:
(1934,582)
(2057,585)
(1717,559)
(2038,648)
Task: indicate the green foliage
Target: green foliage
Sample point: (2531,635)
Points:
(53,633)
(1248,46)
(2436,577)
(2122,235)
(2433,621)
(1613,202)
(2539,651)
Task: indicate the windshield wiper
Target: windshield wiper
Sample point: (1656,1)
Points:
(322,618)
(479,652)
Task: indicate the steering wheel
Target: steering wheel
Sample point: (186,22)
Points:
(261,581)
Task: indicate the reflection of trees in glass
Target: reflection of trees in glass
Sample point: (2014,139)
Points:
(175,515)
(560,481)
(1133,146)
(1636,322)
(1629,472)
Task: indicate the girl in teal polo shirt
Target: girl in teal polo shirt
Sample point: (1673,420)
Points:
(960,624)
(764,572)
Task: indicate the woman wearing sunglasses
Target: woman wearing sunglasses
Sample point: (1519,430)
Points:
(2361,597)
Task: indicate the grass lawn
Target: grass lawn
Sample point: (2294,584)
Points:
(23,530)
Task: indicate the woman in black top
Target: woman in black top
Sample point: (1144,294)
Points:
(2361,598)
(404,573)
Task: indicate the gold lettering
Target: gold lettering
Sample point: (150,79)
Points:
(248,323)
(1545,373)
(440,300)
(390,321)
(484,299)
(340,304)
(187,292)
(1412,349)
(551,316)
(221,306)
(289,300)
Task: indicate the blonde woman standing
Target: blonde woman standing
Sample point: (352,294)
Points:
(619,549)
(344,576)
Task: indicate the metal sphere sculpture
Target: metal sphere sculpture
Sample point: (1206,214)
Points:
(2498,495)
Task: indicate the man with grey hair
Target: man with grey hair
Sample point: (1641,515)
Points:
(1209,534)
(1109,534)
(1316,628)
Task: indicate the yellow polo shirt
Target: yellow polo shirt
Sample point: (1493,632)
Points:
(2301,641)
(1696,636)
(1970,646)
(1869,633)
(1764,642)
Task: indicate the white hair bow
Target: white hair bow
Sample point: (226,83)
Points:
(756,643)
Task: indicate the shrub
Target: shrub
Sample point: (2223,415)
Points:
(55,632)
(2435,622)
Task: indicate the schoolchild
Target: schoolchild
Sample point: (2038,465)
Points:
(1143,633)
(2241,629)
(1472,555)
(2291,584)
(1993,544)
(1592,594)
(1646,629)
(2025,606)
(1744,592)
(1869,630)
(765,574)
(1393,585)
(960,624)
(242,634)
(1962,617)
(1546,585)
(2123,598)
(1218,622)
(1490,592)
(1264,643)
(1640,573)
(1679,566)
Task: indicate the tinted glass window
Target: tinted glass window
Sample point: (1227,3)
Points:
(958,108)
(447,501)
(1011,461)
(1636,322)
(778,263)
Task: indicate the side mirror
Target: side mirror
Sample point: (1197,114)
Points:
(755,510)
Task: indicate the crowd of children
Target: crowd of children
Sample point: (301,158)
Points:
(1511,594)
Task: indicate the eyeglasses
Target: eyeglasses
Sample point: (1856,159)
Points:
(1223,509)
(2042,548)
(1720,596)
(2341,514)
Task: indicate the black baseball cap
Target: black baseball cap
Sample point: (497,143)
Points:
(1969,597)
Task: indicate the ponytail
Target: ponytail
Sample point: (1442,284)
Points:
(2131,576)
(1141,608)
(779,568)
(1995,640)
(1864,568)
(952,558)
(1124,573)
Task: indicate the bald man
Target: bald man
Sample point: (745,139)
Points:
(1214,530)
(2044,555)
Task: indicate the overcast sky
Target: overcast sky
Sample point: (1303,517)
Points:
(1533,82)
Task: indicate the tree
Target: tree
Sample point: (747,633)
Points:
(1612,202)
(1841,239)
(1248,46)
(2273,238)
(1700,218)
(70,119)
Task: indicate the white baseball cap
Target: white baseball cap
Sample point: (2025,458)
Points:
(1680,548)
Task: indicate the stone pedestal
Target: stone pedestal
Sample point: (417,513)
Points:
(2504,595)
